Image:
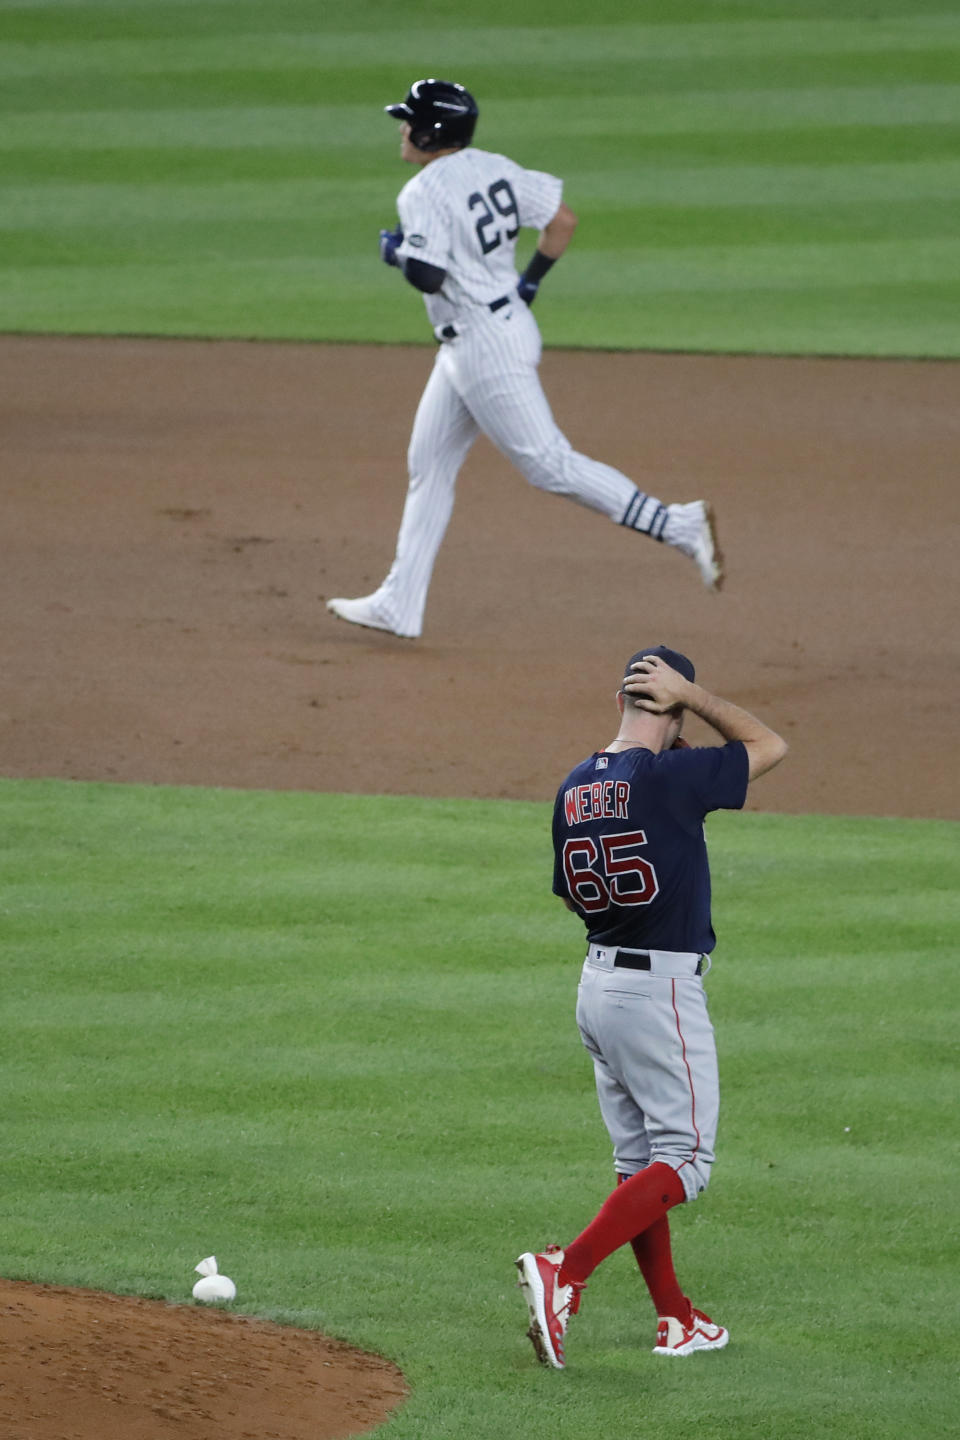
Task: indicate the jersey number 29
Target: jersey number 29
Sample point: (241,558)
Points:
(593,888)
(490,232)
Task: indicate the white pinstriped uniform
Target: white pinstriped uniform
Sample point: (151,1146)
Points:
(461,213)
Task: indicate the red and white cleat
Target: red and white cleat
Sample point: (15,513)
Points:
(550,1303)
(675,1338)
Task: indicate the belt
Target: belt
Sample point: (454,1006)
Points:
(450,332)
(640,960)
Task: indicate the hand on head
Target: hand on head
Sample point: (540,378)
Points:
(655,686)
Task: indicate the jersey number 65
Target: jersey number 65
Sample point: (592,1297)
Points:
(625,878)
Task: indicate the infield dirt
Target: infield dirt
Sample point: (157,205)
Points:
(175,514)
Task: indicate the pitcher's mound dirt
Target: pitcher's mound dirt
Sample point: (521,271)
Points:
(78,1365)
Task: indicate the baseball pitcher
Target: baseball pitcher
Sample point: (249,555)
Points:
(631,861)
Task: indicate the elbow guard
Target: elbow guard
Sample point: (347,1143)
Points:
(424,277)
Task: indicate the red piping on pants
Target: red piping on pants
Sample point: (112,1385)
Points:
(693,1096)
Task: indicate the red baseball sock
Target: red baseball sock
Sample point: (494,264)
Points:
(655,1258)
(630,1210)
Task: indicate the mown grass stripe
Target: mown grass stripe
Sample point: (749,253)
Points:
(728,184)
(321,126)
(728,262)
(790,188)
(294,302)
(732,111)
(257,47)
(924,146)
(630,76)
(704,269)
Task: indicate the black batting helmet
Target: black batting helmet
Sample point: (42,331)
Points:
(440,114)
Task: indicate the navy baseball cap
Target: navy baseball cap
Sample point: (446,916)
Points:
(673,658)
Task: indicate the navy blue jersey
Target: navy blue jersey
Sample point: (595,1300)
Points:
(629,848)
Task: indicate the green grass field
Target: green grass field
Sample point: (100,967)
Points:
(330,1039)
(750,176)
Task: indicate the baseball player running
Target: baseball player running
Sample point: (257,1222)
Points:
(631,861)
(460,216)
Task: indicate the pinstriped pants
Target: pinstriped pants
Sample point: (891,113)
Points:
(655,1064)
(484,380)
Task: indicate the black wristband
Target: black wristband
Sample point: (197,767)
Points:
(538,267)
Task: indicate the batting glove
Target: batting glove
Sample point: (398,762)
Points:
(389,242)
(527,290)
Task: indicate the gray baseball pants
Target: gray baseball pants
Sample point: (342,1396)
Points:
(655,1062)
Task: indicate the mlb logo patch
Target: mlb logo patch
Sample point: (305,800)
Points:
(602,762)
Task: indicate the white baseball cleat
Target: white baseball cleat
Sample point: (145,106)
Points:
(692,530)
(363,612)
(550,1304)
(676,1338)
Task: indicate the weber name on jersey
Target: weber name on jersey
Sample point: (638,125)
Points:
(462,214)
(629,847)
